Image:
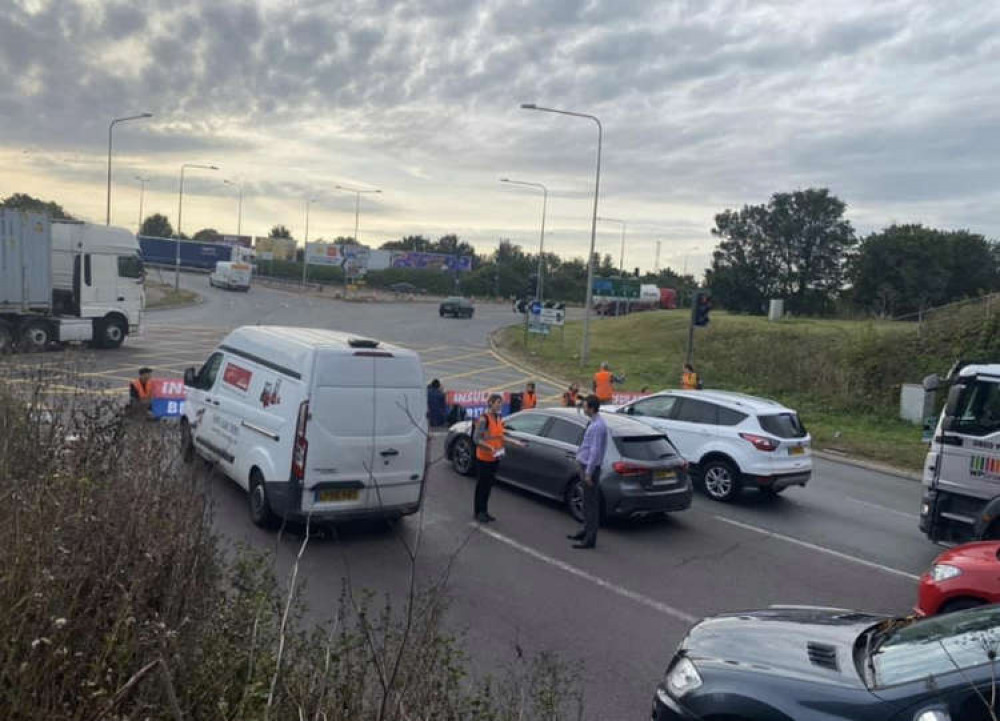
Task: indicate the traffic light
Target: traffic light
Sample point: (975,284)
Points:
(636,272)
(702,305)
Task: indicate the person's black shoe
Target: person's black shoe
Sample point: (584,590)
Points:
(490,518)
(584,545)
(482,518)
(576,536)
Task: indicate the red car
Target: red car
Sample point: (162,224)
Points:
(961,577)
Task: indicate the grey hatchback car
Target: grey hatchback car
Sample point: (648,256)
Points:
(642,473)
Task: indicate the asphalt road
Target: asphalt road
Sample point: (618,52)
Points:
(849,539)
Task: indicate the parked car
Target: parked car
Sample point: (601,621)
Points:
(732,440)
(794,663)
(960,578)
(295,416)
(642,473)
(456,307)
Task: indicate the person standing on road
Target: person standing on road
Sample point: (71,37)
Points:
(437,404)
(571,396)
(689,379)
(590,456)
(604,383)
(488,437)
(530,398)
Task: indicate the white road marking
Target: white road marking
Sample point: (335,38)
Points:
(586,576)
(820,549)
(908,516)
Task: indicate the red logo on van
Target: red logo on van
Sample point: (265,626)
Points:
(237,377)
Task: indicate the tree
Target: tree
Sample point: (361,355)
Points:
(28,203)
(279,231)
(409,242)
(906,269)
(156,226)
(793,247)
(208,235)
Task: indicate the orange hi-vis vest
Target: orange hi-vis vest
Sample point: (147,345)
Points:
(145,393)
(529,401)
(492,438)
(603,388)
(689,381)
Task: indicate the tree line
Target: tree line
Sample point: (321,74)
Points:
(799,247)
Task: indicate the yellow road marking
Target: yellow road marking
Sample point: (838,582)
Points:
(457,358)
(475,372)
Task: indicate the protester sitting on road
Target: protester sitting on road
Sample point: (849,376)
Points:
(689,379)
(571,398)
(437,404)
(140,392)
(604,383)
(530,399)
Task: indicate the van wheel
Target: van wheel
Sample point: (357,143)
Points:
(111,333)
(720,480)
(36,336)
(260,508)
(463,458)
(187,442)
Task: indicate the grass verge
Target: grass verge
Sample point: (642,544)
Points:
(162,295)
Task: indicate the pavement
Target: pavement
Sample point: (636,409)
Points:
(849,539)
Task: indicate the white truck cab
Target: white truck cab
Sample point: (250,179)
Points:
(312,423)
(961,499)
(232,275)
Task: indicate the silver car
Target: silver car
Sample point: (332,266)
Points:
(642,473)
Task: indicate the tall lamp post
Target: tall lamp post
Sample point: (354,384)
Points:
(541,242)
(585,346)
(107,220)
(142,196)
(180,211)
(357,215)
(305,243)
(239,212)
(621,258)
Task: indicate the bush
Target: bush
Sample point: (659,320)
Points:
(117,601)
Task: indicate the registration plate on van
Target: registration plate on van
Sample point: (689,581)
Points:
(335,495)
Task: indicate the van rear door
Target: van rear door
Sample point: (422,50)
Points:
(366,432)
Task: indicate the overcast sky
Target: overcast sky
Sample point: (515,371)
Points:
(706,105)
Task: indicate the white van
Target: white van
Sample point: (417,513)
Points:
(312,423)
(234,275)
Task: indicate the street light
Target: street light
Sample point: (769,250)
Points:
(621,259)
(142,194)
(357,214)
(541,242)
(585,347)
(305,243)
(114,122)
(180,210)
(239,213)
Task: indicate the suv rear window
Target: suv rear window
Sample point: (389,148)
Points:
(645,448)
(783,425)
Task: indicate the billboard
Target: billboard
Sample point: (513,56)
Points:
(275,248)
(431,261)
(244,241)
(354,256)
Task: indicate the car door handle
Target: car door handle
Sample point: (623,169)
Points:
(389,452)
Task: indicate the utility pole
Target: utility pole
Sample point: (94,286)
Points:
(656,265)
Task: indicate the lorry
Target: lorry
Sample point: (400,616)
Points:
(194,254)
(67,281)
(961,499)
(231,275)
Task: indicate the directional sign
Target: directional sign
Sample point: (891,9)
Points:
(553,316)
(536,308)
(535,326)
(615,288)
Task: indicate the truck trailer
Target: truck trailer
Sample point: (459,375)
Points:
(63,282)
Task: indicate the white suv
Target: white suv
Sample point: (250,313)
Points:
(733,440)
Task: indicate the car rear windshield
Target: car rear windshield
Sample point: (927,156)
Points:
(783,425)
(645,448)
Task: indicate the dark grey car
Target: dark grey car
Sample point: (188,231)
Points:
(457,307)
(642,473)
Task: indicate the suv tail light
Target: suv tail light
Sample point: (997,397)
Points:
(301,447)
(627,469)
(761,443)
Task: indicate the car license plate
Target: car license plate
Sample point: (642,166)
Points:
(664,476)
(333,495)
(796,450)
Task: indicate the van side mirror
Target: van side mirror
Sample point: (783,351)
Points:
(951,407)
(932,382)
(189,377)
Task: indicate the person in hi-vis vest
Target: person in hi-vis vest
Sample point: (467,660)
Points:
(488,437)
(604,383)
(689,379)
(529,399)
(140,392)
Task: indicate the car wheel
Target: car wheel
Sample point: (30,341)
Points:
(992,533)
(260,508)
(35,336)
(187,442)
(441,313)
(721,480)
(463,457)
(112,333)
(960,604)
(574,500)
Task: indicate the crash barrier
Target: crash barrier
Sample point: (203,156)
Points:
(168,398)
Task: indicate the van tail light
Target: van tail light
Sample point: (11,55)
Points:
(761,443)
(301,447)
(627,469)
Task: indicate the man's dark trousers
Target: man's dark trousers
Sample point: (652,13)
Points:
(591,509)
(487,473)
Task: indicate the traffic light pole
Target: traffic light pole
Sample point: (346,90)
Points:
(695,298)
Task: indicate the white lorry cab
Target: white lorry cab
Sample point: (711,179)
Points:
(312,423)
(961,500)
(233,275)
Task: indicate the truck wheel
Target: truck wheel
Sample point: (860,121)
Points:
(111,333)
(6,338)
(35,336)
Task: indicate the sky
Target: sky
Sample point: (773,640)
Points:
(705,106)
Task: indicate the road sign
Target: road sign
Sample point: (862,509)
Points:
(536,308)
(624,288)
(553,316)
(536,326)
